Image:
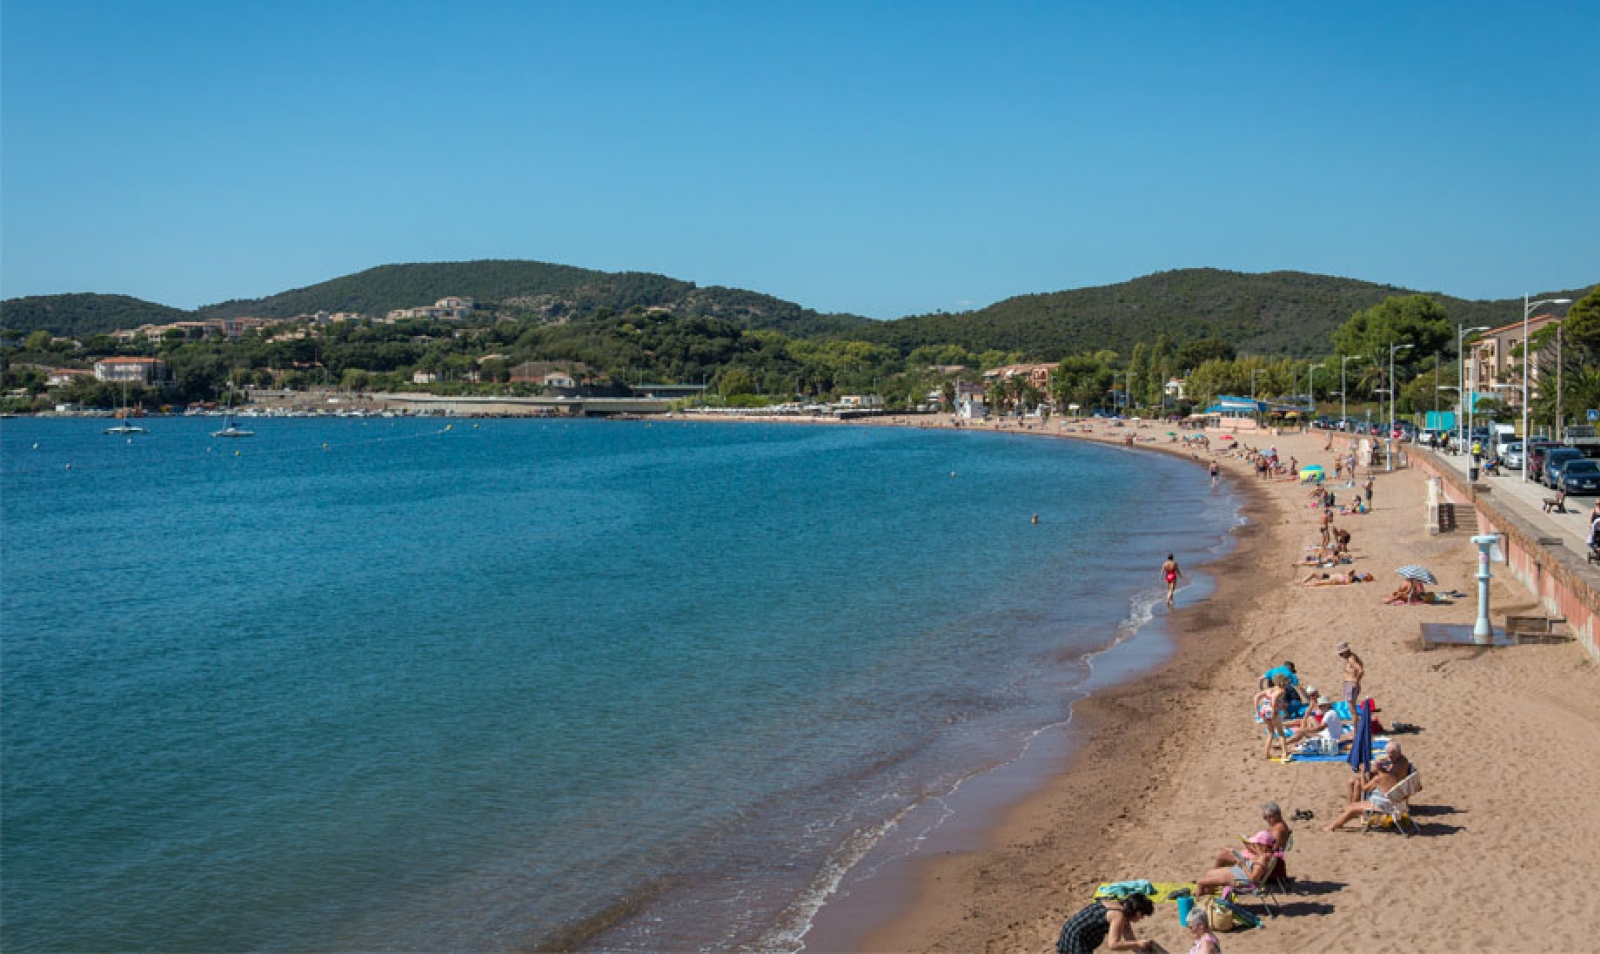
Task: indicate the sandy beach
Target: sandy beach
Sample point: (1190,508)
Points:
(1170,767)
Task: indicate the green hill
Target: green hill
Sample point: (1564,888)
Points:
(534,289)
(76,316)
(1289,313)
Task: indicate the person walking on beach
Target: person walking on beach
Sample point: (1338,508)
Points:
(1170,573)
(1366,489)
(1215,474)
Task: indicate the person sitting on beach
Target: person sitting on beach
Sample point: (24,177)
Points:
(1393,761)
(1392,770)
(1336,579)
(1271,704)
(1322,721)
(1110,918)
(1273,816)
(1411,591)
(1199,925)
(1310,723)
(1263,857)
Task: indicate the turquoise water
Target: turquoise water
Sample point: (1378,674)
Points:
(384,684)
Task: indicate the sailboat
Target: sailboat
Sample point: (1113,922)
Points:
(124,425)
(229,429)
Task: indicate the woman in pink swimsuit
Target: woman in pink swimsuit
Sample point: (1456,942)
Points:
(1170,572)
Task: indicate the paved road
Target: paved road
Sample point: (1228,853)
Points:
(1526,499)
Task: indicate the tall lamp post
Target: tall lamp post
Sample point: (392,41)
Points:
(1527,367)
(1468,395)
(1344,408)
(1388,462)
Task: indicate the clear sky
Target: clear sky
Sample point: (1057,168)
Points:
(877,158)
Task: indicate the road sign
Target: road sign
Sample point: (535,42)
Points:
(1594,415)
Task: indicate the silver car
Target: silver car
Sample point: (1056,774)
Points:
(1512,456)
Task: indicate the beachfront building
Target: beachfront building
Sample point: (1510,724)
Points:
(1492,364)
(130,370)
(1173,389)
(1237,408)
(860,400)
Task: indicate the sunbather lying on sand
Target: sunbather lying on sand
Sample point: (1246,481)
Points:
(1410,591)
(1336,579)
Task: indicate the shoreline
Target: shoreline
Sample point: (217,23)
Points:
(1102,769)
(1171,765)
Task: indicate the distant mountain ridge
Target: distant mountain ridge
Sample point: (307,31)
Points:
(1283,313)
(1286,312)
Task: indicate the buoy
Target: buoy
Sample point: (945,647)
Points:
(324,445)
(238,453)
(69,466)
(952,473)
(1035,518)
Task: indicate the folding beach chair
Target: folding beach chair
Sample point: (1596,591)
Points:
(1262,889)
(1392,805)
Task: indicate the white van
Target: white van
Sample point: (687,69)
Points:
(1501,435)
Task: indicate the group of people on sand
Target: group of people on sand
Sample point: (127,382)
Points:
(1281,699)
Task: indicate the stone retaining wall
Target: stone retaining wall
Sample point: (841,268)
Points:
(1556,576)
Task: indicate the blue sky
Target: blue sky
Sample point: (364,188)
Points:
(877,158)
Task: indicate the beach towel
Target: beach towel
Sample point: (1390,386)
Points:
(1160,892)
(1379,743)
(1121,889)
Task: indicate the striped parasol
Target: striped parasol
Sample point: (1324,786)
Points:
(1416,571)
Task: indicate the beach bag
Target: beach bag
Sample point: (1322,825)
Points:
(1219,916)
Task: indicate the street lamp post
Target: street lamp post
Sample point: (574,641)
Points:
(1344,409)
(1468,395)
(1311,388)
(1388,462)
(1527,366)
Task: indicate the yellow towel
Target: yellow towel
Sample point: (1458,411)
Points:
(1165,890)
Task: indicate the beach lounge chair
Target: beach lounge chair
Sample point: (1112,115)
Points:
(1558,503)
(1393,805)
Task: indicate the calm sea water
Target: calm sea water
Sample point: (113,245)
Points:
(384,684)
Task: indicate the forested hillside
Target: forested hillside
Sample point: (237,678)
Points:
(1276,313)
(72,316)
(514,289)
(1289,313)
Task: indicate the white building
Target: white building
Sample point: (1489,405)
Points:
(130,370)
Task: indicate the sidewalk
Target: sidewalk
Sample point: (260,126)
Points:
(1526,499)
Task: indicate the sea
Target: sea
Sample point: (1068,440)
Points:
(420,684)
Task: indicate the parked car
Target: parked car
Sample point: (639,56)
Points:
(1554,459)
(1512,455)
(1579,477)
(1535,451)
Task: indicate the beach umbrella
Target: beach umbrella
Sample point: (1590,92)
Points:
(1416,571)
(1361,743)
